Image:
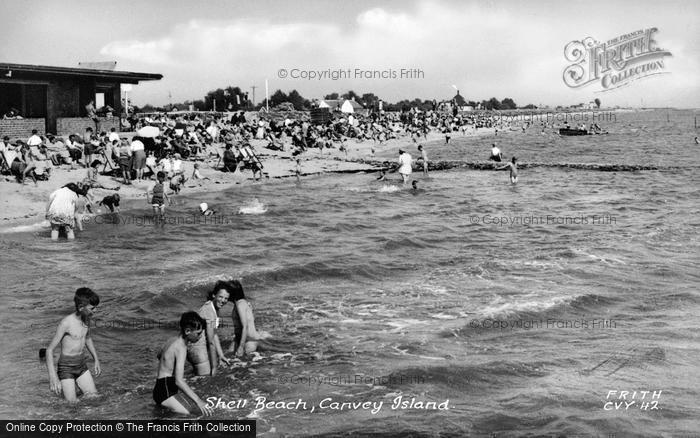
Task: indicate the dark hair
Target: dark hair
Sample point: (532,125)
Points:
(191,320)
(85,296)
(82,191)
(513,160)
(34,131)
(160,174)
(95,163)
(236,291)
(225,285)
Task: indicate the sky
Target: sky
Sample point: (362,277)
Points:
(483,48)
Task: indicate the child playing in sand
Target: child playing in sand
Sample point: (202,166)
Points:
(156,196)
(171,368)
(176,182)
(74,336)
(246,336)
(513,166)
(196,175)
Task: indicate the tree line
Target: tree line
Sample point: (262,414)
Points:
(235,99)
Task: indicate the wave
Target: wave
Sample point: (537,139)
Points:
(316,270)
(26,228)
(254,207)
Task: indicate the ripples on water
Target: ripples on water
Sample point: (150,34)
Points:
(441,294)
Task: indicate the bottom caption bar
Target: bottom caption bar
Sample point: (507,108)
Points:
(127,428)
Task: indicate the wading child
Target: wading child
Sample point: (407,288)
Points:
(111,202)
(156,196)
(513,166)
(74,336)
(171,368)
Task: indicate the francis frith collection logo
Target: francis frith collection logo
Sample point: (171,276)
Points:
(616,62)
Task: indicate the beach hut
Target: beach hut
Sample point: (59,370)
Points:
(54,99)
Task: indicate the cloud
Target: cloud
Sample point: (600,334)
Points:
(485,50)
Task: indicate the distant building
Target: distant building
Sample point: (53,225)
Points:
(53,99)
(331,104)
(351,106)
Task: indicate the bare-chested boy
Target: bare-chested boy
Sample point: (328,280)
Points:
(513,166)
(171,368)
(74,336)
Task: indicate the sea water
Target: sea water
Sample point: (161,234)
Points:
(471,306)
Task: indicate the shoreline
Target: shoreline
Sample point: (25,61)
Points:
(25,205)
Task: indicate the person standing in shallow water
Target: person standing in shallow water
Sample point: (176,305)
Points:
(405,165)
(73,334)
(513,166)
(156,196)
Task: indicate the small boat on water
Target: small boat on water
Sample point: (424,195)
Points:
(569,132)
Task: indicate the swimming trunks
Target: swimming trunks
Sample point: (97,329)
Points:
(71,367)
(164,389)
(158,194)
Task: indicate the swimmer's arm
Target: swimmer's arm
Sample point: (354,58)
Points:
(241,307)
(54,383)
(220,351)
(503,167)
(211,346)
(180,355)
(91,348)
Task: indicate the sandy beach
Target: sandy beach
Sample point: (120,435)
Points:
(26,204)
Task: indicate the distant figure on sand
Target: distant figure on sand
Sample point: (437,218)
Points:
(513,166)
(404,166)
(171,368)
(697,141)
(496,154)
(206,354)
(424,157)
(246,336)
(73,334)
(156,196)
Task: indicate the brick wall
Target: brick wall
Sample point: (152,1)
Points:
(21,128)
(77,125)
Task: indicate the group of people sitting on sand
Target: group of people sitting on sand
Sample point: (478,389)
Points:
(198,343)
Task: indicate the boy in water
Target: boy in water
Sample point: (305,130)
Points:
(513,166)
(171,368)
(74,336)
(424,156)
(156,196)
(297,170)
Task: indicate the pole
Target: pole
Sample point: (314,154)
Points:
(253,88)
(267,97)
(126,103)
